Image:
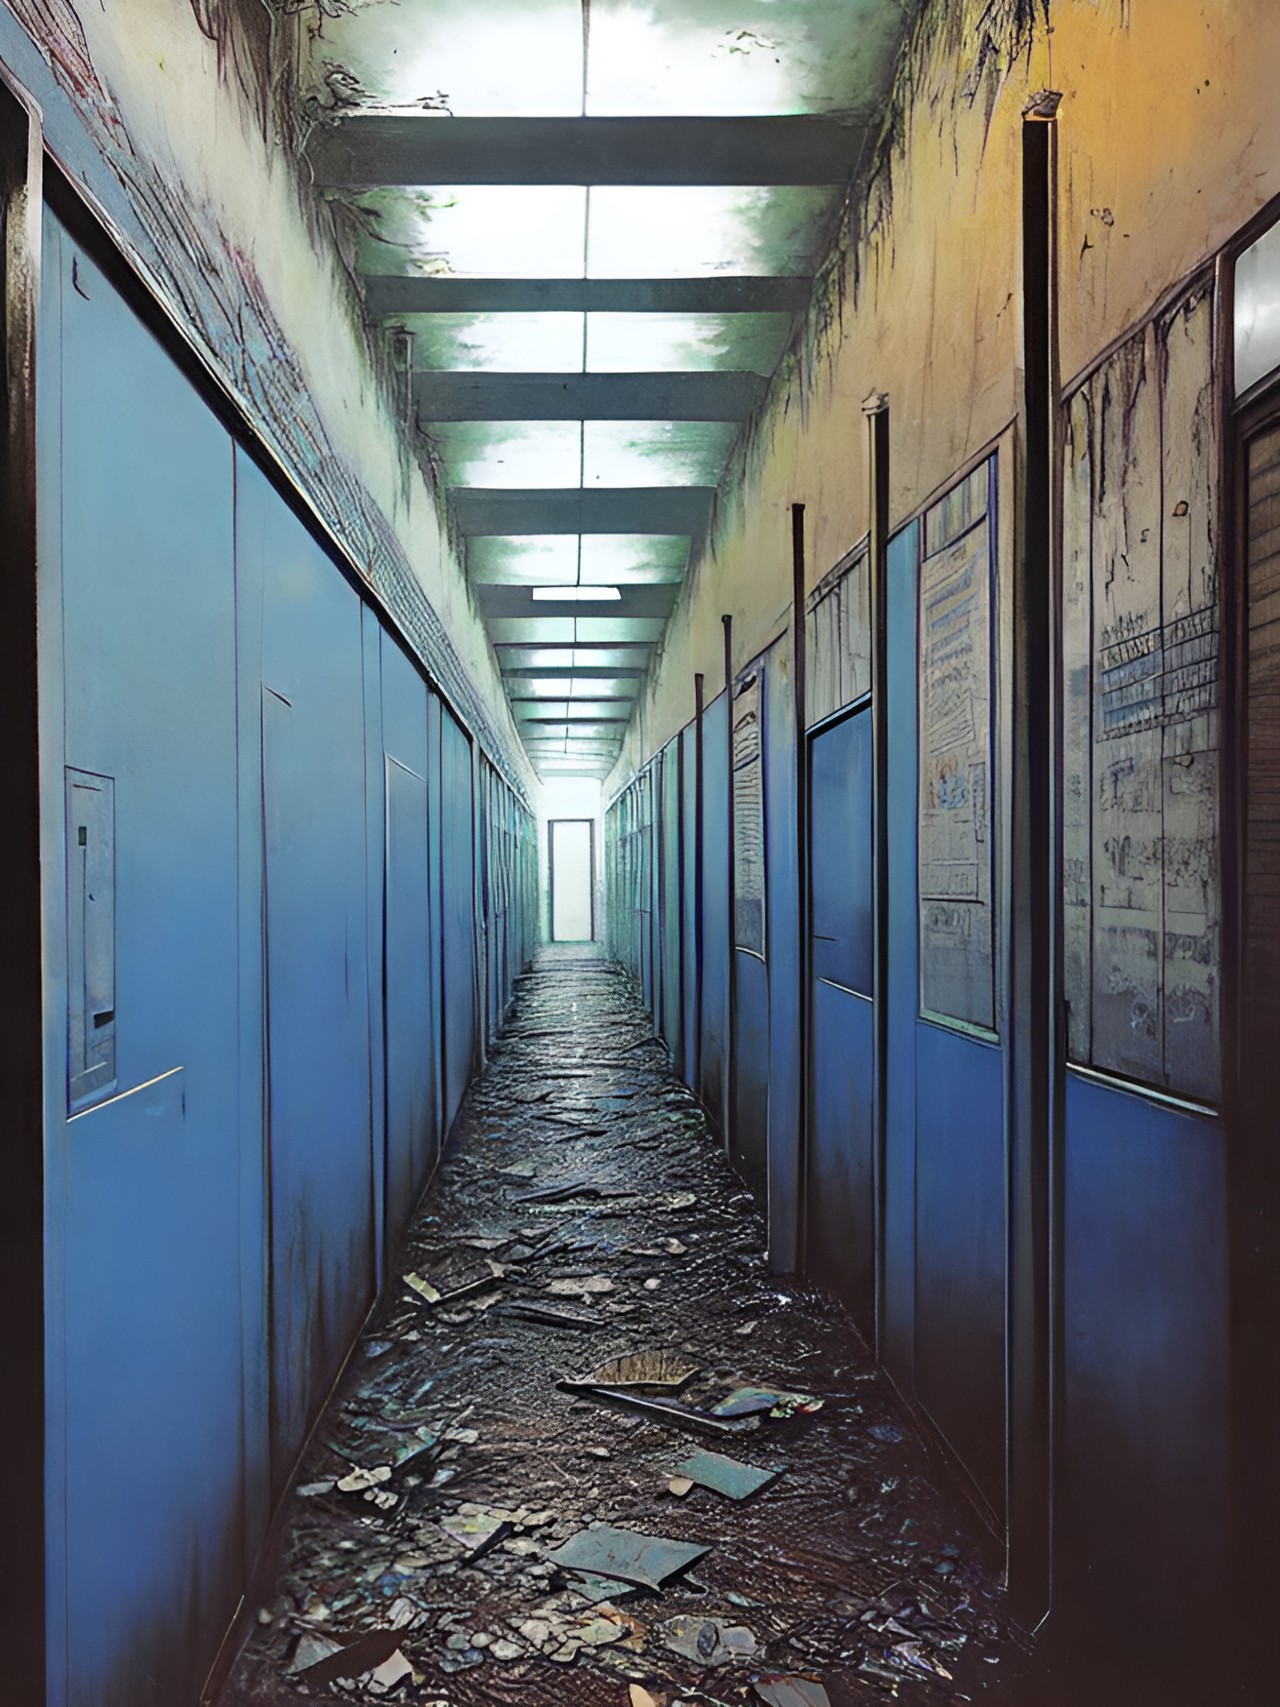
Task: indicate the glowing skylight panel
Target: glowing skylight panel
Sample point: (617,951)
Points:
(504,231)
(627,558)
(533,559)
(660,231)
(472,58)
(507,453)
(497,343)
(656,453)
(670,343)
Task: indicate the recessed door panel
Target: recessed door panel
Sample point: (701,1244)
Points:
(145,1395)
(841,1206)
(457,864)
(317,1031)
(409,1066)
(713,1088)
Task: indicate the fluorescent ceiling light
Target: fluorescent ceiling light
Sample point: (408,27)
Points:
(583,594)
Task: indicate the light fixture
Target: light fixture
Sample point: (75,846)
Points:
(596,595)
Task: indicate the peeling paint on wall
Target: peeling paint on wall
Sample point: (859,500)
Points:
(209,278)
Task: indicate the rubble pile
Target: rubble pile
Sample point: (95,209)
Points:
(591,1452)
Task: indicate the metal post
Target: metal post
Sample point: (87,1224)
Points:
(1033,1031)
(876,410)
(727,1111)
(698,933)
(802,867)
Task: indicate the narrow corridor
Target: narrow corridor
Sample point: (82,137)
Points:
(581,1215)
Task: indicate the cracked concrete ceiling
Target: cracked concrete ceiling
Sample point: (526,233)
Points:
(599,219)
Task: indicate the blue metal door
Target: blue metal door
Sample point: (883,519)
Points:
(945,1219)
(713,1088)
(319,1108)
(749,1008)
(457,842)
(672,1006)
(410,1076)
(840,1217)
(150,1175)
(689,951)
(782,919)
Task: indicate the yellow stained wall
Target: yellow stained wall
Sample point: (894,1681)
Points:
(1169,142)
(189,121)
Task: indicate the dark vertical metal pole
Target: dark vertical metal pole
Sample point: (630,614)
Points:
(1033,1033)
(22,1418)
(876,409)
(798,664)
(698,933)
(677,1052)
(727,625)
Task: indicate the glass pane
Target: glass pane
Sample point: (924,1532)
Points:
(658,231)
(508,453)
(505,343)
(500,231)
(655,453)
(472,58)
(531,630)
(534,687)
(1258,310)
(667,343)
(614,559)
(606,628)
(534,560)
(738,56)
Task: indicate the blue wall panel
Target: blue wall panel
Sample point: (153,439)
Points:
(689,905)
(671,962)
(457,854)
(841,1221)
(319,1140)
(144,1205)
(960,1247)
(749,1119)
(840,1224)
(898,1313)
(410,1086)
(713,1088)
(782,921)
(1146,1380)
(841,917)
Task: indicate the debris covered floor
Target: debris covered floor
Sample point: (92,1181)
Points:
(453,1537)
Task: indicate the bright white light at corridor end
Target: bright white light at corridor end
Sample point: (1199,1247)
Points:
(585,595)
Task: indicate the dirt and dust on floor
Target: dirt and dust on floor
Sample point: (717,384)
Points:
(590,1452)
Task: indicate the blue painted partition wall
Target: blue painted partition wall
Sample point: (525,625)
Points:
(412,1122)
(840,1222)
(689,904)
(713,1088)
(672,827)
(149,1368)
(457,830)
(945,1162)
(258,772)
(1146,1380)
(782,921)
(749,1055)
(320,1145)
(898,1308)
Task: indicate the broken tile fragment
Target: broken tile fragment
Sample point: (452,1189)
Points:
(791,1692)
(707,1640)
(726,1475)
(630,1555)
